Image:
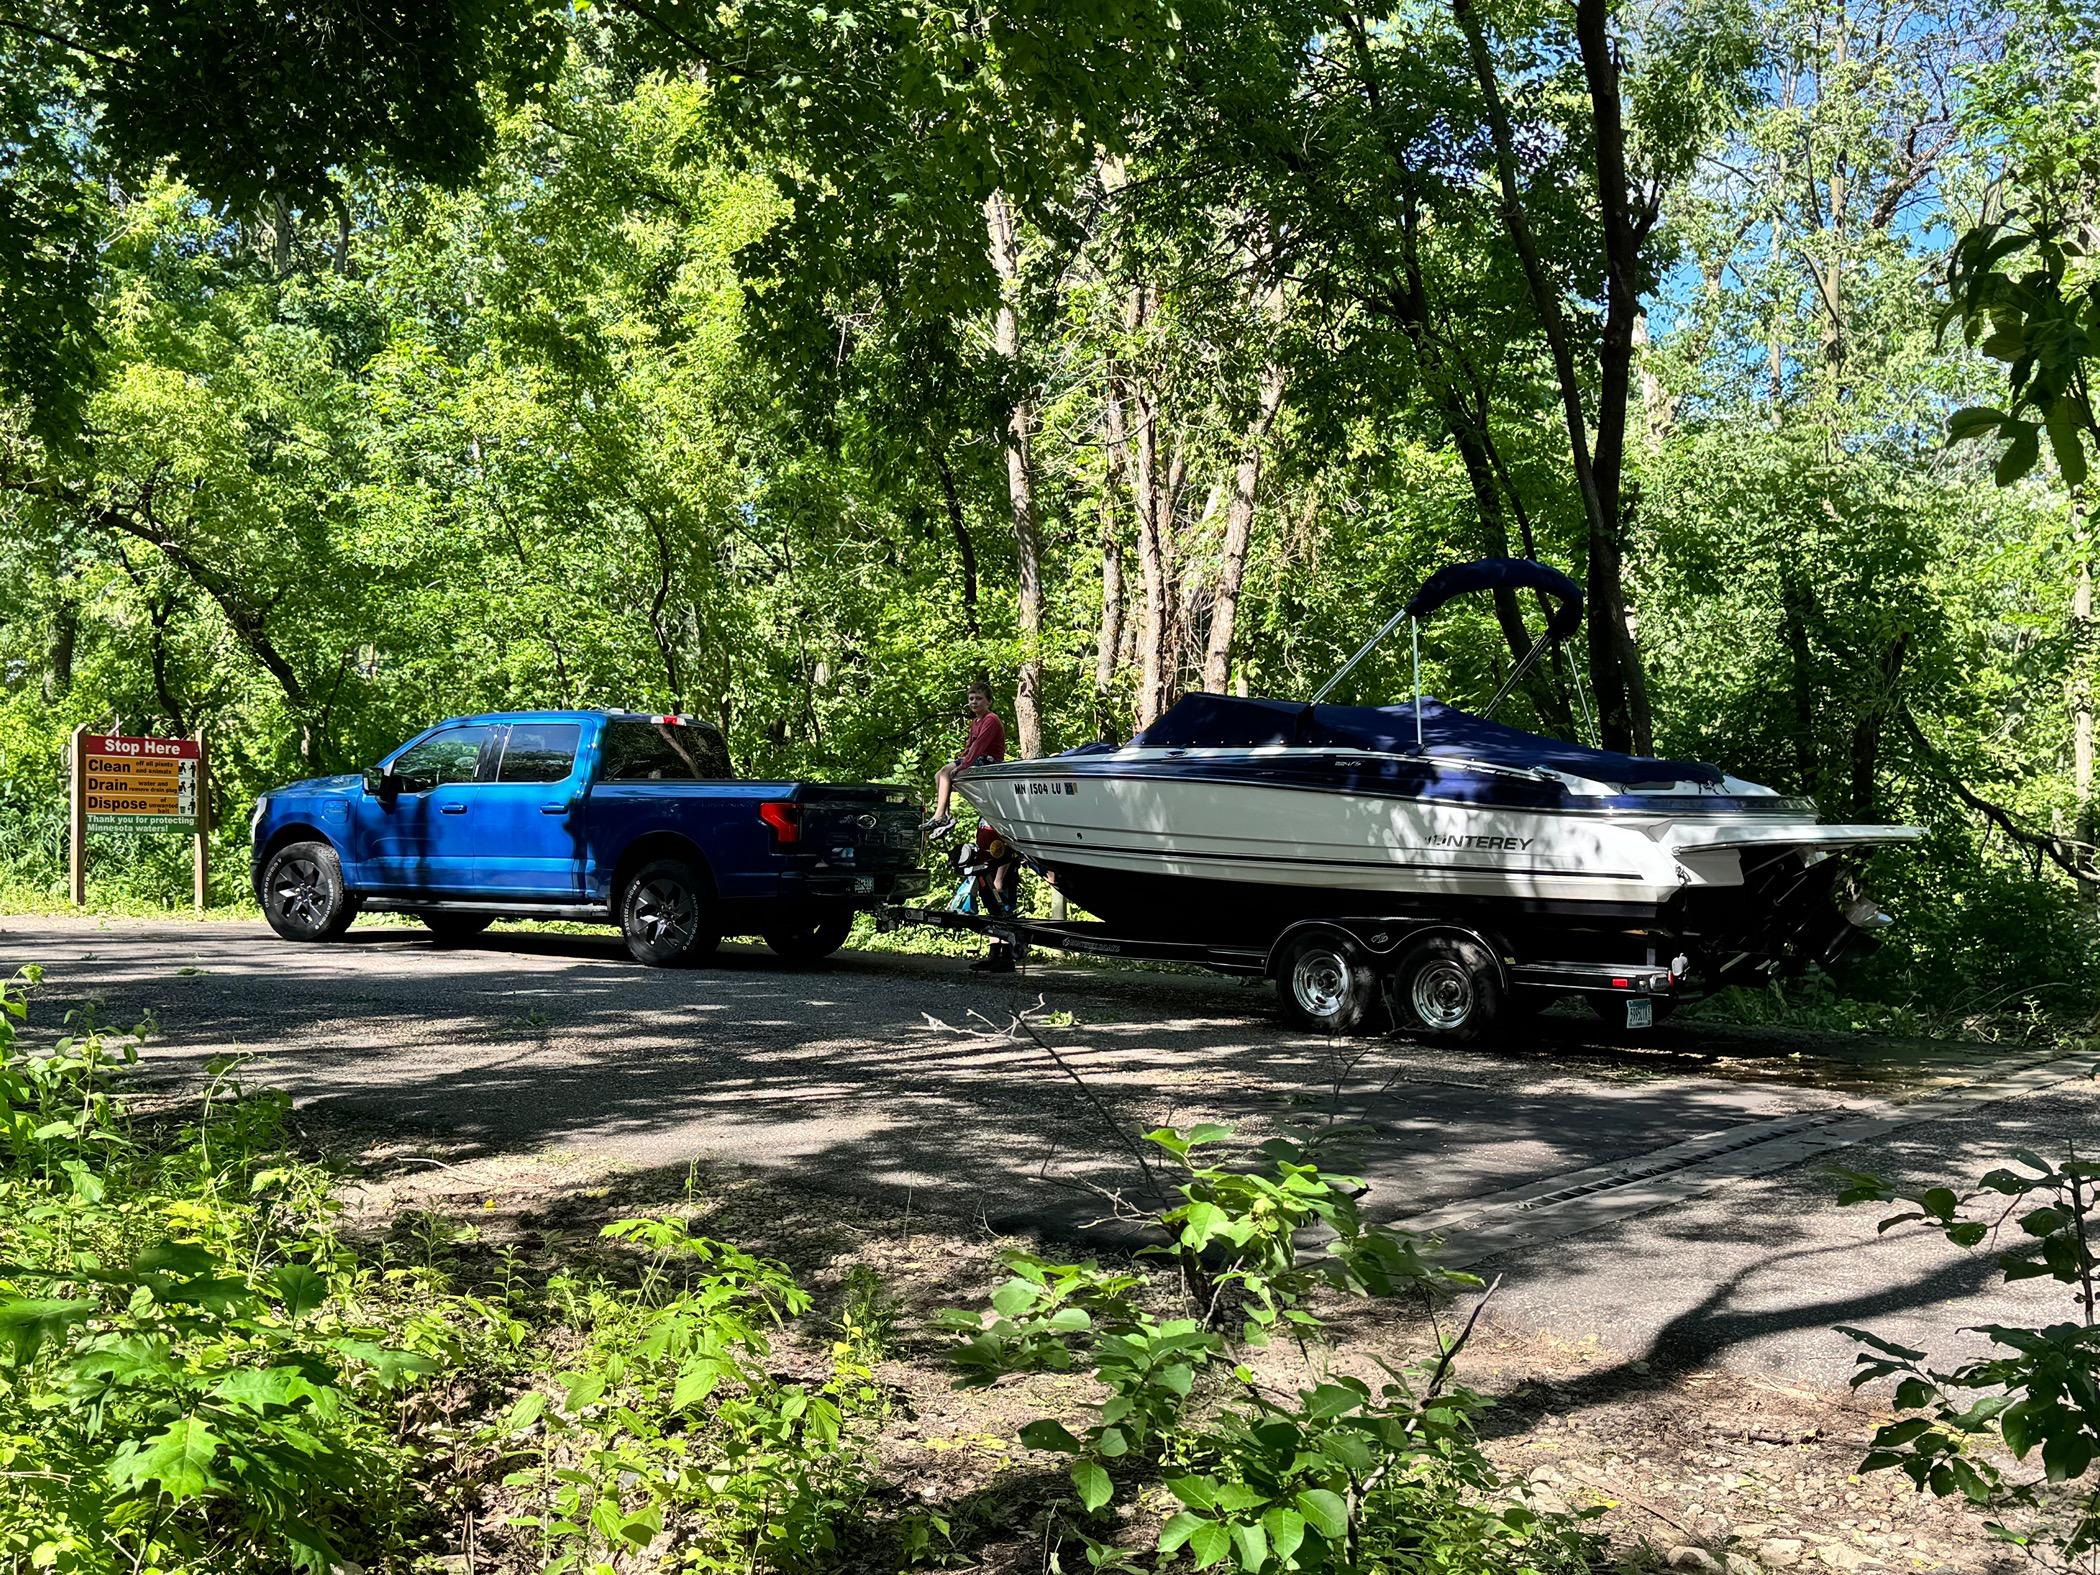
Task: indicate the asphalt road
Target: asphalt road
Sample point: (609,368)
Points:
(893,1077)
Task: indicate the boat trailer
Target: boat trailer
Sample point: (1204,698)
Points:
(1440,979)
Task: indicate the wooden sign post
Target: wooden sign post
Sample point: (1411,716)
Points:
(139,785)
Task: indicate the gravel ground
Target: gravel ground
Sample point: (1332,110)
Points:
(888,1079)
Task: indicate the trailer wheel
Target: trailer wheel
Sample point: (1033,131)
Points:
(1447,987)
(1327,985)
(811,940)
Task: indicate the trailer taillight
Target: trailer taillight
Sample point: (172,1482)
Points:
(785,817)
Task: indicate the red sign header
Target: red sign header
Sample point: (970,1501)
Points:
(142,748)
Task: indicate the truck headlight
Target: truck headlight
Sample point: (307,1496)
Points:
(262,806)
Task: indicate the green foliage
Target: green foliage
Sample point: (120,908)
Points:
(2039,1399)
(2031,299)
(197,1373)
(668,1431)
(1337,1475)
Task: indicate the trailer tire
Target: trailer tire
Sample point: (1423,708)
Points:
(1327,984)
(1447,987)
(810,940)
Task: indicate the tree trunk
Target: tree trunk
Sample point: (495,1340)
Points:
(965,549)
(2086,823)
(65,639)
(1108,650)
(1614,662)
(1020,479)
(1866,732)
(1239,527)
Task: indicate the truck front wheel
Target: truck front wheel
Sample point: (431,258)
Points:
(810,941)
(665,917)
(303,893)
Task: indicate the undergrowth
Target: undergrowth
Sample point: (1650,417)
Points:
(199,1373)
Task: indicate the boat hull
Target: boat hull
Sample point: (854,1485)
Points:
(1235,846)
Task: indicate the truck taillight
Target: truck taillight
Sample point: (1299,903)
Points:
(785,818)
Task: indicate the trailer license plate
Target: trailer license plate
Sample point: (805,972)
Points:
(1640,1012)
(863,884)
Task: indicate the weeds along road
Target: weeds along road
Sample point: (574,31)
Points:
(1670,1201)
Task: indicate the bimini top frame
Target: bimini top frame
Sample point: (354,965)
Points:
(1484,574)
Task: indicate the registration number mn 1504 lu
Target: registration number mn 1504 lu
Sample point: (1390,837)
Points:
(1035,788)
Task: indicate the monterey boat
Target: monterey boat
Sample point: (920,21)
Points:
(1231,819)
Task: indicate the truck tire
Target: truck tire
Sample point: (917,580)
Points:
(447,927)
(1447,987)
(665,915)
(303,895)
(812,940)
(1327,985)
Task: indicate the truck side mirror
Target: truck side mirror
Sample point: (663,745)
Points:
(382,785)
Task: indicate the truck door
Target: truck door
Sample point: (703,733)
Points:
(424,840)
(529,821)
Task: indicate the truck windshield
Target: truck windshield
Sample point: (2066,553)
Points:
(657,752)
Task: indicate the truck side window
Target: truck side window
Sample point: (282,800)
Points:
(649,752)
(453,755)
(539,752)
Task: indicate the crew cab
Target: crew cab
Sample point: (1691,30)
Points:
(607,816)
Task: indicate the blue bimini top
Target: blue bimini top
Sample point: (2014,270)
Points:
(1207,721)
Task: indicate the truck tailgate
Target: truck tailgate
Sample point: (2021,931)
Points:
(869,827)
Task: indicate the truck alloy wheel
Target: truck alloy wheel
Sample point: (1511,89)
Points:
(303,896)
(664,915)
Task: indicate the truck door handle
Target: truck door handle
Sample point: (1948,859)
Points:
(452,809)
(561,808)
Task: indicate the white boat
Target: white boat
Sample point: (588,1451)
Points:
(1232,819)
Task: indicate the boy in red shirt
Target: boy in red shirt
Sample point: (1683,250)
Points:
(985,745)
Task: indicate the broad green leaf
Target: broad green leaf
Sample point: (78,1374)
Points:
(1092,1484)
(302,1289)
(1209,1543)
(1325,1512)
(1049,1433)
(178,1459)
(1286,1529)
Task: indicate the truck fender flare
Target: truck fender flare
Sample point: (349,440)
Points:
(284,837)
(654,845)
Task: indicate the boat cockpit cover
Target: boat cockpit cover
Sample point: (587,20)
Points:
(1206,721)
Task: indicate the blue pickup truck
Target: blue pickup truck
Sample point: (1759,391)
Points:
(609,816)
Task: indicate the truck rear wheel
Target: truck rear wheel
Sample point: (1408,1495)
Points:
(665,915)
(812,940)
(1326,984)
(1448,988)
(303,895)
(455,926)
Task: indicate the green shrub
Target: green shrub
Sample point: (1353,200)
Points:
(2038,1398)
(1336,1475)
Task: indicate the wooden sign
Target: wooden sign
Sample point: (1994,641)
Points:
(141,784)
(137,785)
